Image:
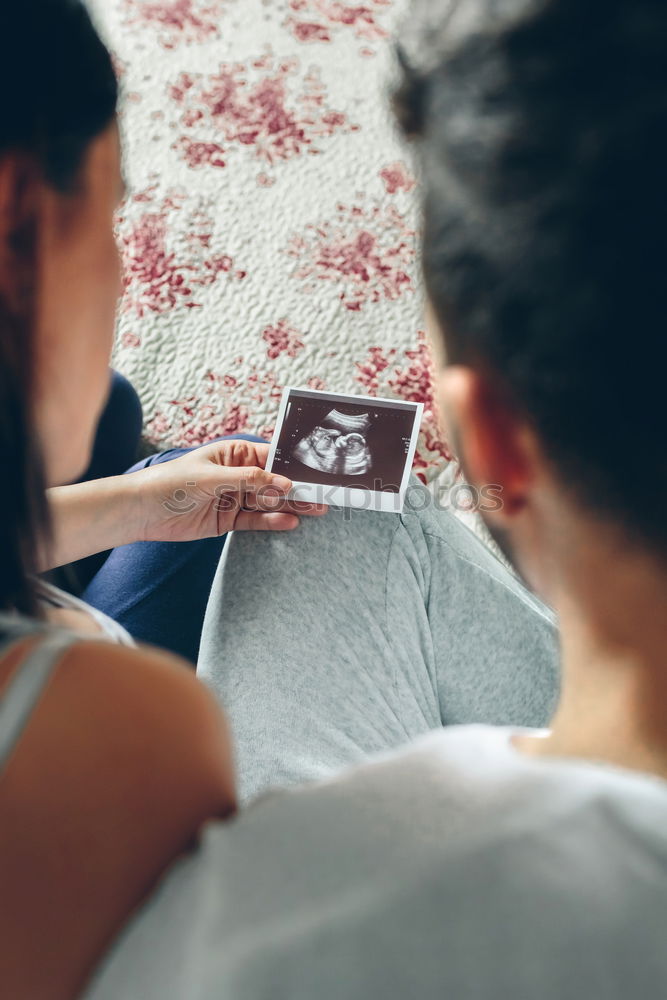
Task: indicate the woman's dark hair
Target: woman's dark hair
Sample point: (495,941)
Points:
(541,129)
(58,92)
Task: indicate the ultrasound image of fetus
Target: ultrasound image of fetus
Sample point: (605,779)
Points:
(337,445)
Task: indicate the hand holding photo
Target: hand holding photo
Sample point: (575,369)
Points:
(349,451)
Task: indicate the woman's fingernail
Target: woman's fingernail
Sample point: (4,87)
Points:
(282,482)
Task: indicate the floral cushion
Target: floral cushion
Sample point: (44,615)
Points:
(270,233)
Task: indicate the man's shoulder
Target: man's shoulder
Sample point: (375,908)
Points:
(478,767)
(451,867)
(496,850)
(455,867)
(462,801)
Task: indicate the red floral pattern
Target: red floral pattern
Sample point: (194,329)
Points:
(198,422)
(396,177)
(318,20)
(367,251)
(154,279)
(130,339)
(414,381)
(277,120)
(282,338)
(217,411)
(177,21)
(271,235)
(197,154)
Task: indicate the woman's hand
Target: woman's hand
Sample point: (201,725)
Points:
(206,492)
(211,490)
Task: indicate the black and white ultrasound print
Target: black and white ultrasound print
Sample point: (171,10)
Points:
(337,445)
(349,451)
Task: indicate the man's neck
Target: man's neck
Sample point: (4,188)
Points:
(613,706)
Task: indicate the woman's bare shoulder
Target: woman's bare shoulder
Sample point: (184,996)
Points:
(150,708)
(126,736)
(123,760)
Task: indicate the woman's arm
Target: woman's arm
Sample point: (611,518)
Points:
(214,489)
(92,517)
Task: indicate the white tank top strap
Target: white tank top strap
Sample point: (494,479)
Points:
(57,598)
(20,696)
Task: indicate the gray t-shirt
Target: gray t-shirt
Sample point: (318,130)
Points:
(455,868)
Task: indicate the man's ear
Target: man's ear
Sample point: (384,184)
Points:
(494,444)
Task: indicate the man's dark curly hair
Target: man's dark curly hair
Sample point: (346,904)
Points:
(541,130)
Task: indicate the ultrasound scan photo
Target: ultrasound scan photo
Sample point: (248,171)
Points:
(345,450)
(337,445)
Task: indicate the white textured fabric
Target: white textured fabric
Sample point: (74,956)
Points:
(454,869)
(269,237)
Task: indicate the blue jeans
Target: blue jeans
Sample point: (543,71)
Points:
(157,590)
